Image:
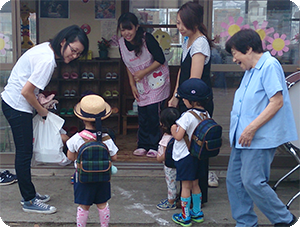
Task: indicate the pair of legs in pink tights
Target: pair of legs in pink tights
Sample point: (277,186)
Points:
(83,213)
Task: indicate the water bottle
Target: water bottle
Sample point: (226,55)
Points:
(135,106)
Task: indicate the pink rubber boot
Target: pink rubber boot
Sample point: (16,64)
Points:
(104,216)
(82,216)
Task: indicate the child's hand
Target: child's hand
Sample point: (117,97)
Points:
(161,158)
(177,132)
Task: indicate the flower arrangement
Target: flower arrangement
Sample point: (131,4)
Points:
(104,44)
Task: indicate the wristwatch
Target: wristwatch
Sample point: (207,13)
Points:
(177,96)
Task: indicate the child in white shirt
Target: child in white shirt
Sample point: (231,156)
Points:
(195,95)
(92,109)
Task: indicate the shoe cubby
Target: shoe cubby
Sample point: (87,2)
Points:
(70,82)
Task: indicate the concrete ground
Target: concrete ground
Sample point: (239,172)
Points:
(135,194)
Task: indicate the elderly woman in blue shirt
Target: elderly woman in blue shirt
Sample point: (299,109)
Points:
(261,120)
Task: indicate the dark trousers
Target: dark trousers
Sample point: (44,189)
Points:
(22,130)
(149,132)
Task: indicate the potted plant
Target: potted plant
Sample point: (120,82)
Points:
(103,46)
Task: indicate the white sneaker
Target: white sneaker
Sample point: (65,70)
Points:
(213,179)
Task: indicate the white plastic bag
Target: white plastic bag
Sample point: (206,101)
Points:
(47,141)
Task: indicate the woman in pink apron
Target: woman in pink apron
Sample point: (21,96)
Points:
(149,80)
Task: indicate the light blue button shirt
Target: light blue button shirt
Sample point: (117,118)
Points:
(258,85)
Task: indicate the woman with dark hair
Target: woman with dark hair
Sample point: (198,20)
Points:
(32,73)
(261,120)
(148,74)
(195,63)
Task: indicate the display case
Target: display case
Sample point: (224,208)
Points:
(70,82)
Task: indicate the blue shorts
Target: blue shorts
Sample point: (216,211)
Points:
(187,168)
(91,193)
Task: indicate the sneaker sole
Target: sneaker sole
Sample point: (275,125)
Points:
(198,220)
(8,183)
(170,208)
(39,211)
(180,223)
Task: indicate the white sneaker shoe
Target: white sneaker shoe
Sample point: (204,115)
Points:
(213,179)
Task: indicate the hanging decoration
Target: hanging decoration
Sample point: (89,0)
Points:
(232,27)
(164,40)
(25,13)
(277,45)
(86,28)
(263,32)
(4,44)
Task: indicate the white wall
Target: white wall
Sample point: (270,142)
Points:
(79,13)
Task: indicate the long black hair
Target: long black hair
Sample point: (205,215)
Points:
(191,15)
(127,20)
(168,117)
(70,34)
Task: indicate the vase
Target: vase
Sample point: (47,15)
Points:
(103,54)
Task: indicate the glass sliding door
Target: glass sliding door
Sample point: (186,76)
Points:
(17,34)
(9,44)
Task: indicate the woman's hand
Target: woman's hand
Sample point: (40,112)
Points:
(173,102)
(43,112)
(28,93)
(135,92)
(247,136)
(139,75)
(276,102)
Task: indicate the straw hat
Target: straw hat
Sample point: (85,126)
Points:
(91,107)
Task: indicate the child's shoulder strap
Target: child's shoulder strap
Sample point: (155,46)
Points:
(203,115)
(87,136)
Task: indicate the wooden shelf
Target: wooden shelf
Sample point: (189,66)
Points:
(98,85)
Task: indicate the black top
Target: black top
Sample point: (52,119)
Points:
(153,47)
(185,72)
(185,75)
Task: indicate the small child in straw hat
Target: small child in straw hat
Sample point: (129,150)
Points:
(92,109)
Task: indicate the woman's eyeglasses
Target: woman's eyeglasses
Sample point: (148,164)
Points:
(74,51)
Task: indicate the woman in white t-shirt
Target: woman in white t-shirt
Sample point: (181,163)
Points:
(195,63)
(32,73)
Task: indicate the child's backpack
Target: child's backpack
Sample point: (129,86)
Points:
(93,162)
(169,161)
(206,139)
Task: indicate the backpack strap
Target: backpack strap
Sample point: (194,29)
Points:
(203,116)
(87,135)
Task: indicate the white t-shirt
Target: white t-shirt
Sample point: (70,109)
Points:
(188,122)
(76,141)
(36,65)
(200,45)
